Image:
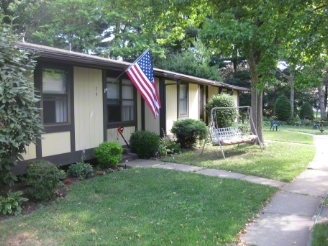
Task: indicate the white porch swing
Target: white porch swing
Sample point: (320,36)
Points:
(243,131)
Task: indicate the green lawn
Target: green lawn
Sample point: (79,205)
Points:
(277,160)
(304,129)
(284,135)
(142,207)
(320,235)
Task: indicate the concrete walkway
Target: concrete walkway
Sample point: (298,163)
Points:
(289,216)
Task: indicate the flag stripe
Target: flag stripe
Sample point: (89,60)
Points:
(143,91)
(142,76)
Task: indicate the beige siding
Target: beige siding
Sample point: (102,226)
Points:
(31,149)
(171,106)
(88,108)
(30,152)
(235,97)
(114,136)
(139,116)
(151,124)
(55,143)
(193,101)
(212,91)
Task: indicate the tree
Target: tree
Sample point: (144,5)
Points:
(282,108)
(194,61)
(256,30)
(20,122)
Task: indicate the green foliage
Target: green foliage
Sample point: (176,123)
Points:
(80,170)
(224,117)
(144,143)
(108,154)
(20,122)
(42,178)
(306,111)
(187,131)
(168,146)
(282,108)
(191,61)
(12,203)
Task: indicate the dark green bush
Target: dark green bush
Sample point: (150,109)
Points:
(80,170)
(144,143)
(187,131)
(42,178)
(108,154)
(306,111)
(282,109)
(12,203)
(224,117)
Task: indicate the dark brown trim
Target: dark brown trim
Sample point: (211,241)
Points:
(143,123)
(162,111)
(104,90)
(58,160)
(201,102)
(72,113)
(206,101)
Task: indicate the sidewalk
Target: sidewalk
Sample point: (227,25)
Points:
(289,216)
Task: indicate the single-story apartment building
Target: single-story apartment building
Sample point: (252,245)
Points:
(83,103)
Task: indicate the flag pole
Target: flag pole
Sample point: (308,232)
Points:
(132,64)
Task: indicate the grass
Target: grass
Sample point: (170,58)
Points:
(304,129)
(278,160)
(143,207)
(320,235)
(283,135)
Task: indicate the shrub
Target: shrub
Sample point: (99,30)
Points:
(20,123)
(42,177)
(108,154)
(282,108)
(306,111)
(12,203)
(224,117)
(168,146)
(144,143)
(187,131)
(80,170)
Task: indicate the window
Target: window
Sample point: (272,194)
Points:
(55,96)
(183,100)
(120,100)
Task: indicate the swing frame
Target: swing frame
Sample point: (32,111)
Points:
(233,134)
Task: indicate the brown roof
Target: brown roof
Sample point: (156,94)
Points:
(55,54)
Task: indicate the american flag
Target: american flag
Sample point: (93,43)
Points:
(142,76)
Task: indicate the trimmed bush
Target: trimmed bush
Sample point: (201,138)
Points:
(306,111)
(282,109)
(108,154)
(144,143)
(226,117)
(80,170)
(187,131)
(42,177)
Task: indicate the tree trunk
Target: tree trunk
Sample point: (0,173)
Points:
(321,95)
(326,95)
(256,100)
(292,94)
